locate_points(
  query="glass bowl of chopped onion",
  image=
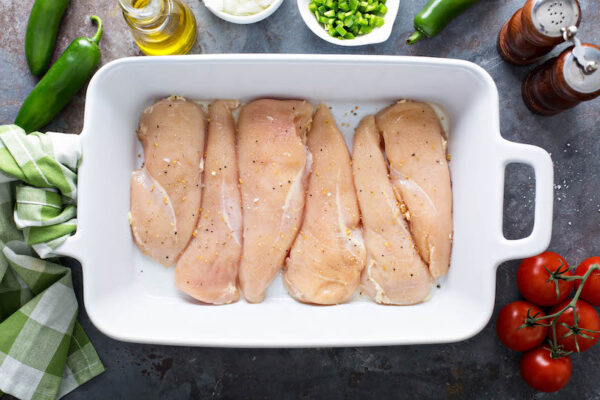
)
(242, 11)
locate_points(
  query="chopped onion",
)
(238, 7)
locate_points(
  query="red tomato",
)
(591, 289)
(532, 279)
(588, 319)
(511, 317)
(544, 373)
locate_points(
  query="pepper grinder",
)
(564, 81)
(534, 30)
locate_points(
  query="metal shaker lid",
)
(548, 16)
(575, 73)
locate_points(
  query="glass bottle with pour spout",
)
(160, 27)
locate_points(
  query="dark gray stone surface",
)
(479, 368)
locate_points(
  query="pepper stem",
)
(414, 38)
(98, 34)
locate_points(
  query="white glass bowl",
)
(248, 19)
(378, 35)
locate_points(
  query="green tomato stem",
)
(572, 304)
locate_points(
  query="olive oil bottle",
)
(160, 27)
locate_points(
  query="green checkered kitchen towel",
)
(44, 352)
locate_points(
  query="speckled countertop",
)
(480, 368)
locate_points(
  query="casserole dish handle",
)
(72, 247)
(539, 239)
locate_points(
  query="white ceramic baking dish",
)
(129, 297)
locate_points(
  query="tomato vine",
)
(557, 350)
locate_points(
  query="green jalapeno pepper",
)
(435, 16)
(40, 37)
(64, 78)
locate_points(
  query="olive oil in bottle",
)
(160, 27)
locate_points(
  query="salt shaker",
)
(534, 30)
(564, 81)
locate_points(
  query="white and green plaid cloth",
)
(44, 352)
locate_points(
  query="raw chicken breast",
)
(208, 268)
(165, 193)
(328, 255)
(415, 146)
(274, 165)
(395, 273)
